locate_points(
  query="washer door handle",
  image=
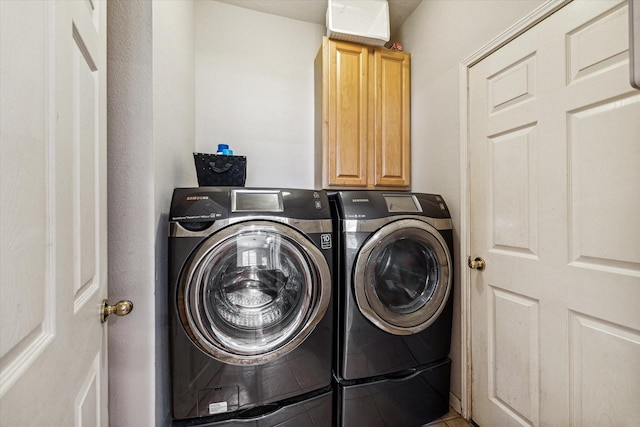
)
(476, 264)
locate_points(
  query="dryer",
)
(394, 311)
(250, 306)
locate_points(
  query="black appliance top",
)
(370, 204)
(214, 203)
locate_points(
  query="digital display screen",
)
(256, 201)
(402, 203)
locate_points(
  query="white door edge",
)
(505, 37)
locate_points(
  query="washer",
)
(250, 310)
(394, 315)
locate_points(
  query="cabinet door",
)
(391, 139)
(346, 144)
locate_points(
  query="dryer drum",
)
(252, 293)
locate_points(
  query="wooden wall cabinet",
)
(362, 117)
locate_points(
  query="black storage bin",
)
(220, 170)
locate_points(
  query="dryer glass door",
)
(402, 277)
(253, 292)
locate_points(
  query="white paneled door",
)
(554, 169)
(53, 213)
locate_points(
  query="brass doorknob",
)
(121, 308)
(476, 264)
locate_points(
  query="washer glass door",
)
(253, 291)
(402, 277)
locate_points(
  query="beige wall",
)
(186, 76)
(254, 80)
(174, 143)
(130, 187)
(255, 92)
(151, 126)
(439, 34)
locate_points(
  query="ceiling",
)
(314, 11)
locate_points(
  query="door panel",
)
(513, 191)
(588, 127)
(53, 204)
(554, 150)
(86, 143)
(513, 353)
(392, 110)
(348, 111)
(26, 160)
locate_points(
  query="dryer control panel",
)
(366, 204)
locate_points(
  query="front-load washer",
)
(394, 313)
(250, 306)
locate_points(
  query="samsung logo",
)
(360, 200)
(197, 197)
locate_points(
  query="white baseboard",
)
(454, 402)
